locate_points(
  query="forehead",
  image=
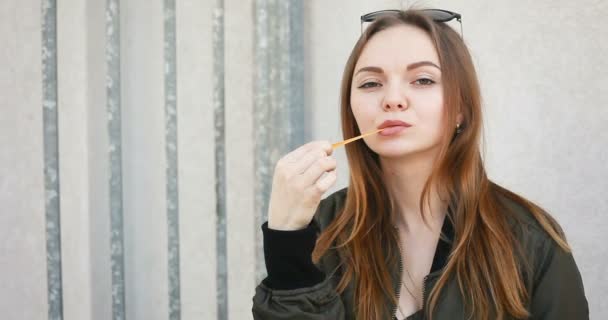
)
(397, 47)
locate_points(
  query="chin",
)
(395, 154)
(393, 150)
(398, 149)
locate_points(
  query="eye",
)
(370, 84)
(424, 82)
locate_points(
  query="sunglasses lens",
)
(375, 15)
(439, 15)
(435, 14)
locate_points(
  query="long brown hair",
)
(484, 255)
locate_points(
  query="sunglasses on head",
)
(438, 15)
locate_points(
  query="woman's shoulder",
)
(522, 220)
(552, 275)
(534, 239)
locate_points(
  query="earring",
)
(458, 128)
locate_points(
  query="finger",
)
(326, 181)
(302, 150)
(326, 146)
(307, 160)
(298, 153)
(316, 170)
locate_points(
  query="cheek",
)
(366, 100)
(432, 118)
(430, 112)
(362, 107)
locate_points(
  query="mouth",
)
(390, 131)
(392, 127)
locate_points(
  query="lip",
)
(393, 123)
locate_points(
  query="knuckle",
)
(327, 163)
(318, 188)
(332, 161)
(324, 144)
(318, 150)
(320, 165)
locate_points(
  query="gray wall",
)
(139, 139)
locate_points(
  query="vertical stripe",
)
(298, 124)
(115, 153)
(290, 67)
(275, 113)
(171, 170)
(196, 159)
(220, 159)
(262, 166)
(51, 159)
(280, 120)
(282, 85)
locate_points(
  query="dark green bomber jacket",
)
(298, 289)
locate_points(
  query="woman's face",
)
(398, 77)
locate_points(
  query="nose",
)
(395, 99)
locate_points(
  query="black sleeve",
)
(288, 258)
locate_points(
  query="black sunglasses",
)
(438, 15)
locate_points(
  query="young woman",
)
(420, 232)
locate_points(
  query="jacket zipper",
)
(424, 289)
(400, 284)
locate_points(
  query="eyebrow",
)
(409, 67)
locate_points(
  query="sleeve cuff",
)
(288, 258)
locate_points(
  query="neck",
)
(404, 179)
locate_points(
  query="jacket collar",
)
(444, 247)
(442, 251)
